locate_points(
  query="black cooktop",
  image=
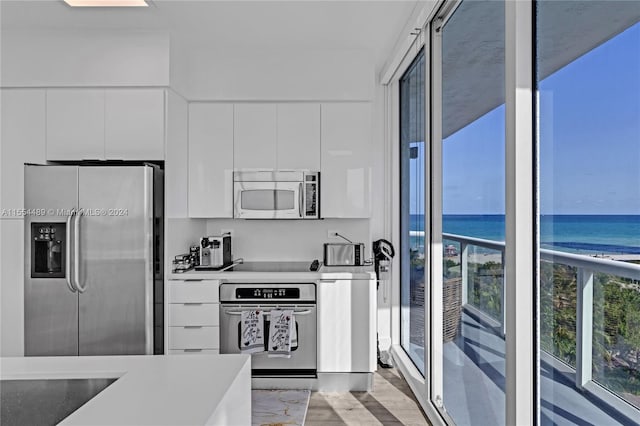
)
(272, 267)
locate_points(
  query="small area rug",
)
(279, 407)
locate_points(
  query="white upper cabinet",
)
(254, 141)
(111, 124)
(346, 169)
(75, 124)
(134, 124)
(211, 159)
(298, 136)
(23, 141)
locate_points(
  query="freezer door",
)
(115, 262)
(50, 307)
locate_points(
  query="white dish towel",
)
(282, 333)
(252, 328)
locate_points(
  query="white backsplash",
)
(288, 240)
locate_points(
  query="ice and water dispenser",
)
(48, 247)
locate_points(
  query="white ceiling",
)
(370, 25)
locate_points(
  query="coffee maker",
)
(215, 252)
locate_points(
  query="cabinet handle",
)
(192, 326)
(193, 350)
(192, 304)
(192, 280)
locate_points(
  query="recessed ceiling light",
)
(107, 3)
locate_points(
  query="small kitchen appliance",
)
(344, 254)
(215, 252)
(291, 194)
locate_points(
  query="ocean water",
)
(572, 233)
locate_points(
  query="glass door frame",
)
(521, 228)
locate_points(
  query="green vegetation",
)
(616, 326)
(485, 287)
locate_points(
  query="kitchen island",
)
(150, 390)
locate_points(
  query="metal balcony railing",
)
(586, 268)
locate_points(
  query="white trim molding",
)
(520, 255)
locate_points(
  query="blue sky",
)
(589, 143)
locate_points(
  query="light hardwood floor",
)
(390, 403)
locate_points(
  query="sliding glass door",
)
(589, 144)
(469, 72)
(412, 211)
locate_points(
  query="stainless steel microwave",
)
(276, 195)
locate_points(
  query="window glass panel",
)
(473, 123)
(412, 218)
(267, 199)
(588, 76)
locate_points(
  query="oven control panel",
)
(267, 293)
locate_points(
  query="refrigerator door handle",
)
(68, 253)
(76, 254)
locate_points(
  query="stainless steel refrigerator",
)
(93, 260)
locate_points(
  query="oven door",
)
(303, 357)
(267, 200)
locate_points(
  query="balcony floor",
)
(474, 385)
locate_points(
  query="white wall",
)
(288, 240)
(201, 74)
(381, 209)
(87, 58)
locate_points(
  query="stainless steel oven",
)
(299, 297)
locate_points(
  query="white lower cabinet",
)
(185, 314)
(193, 317)
(346, 326)
(194, 337)
(193, 351)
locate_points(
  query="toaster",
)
(344, 254)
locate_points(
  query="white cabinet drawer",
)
(194, 352)
(194, 337)
(193, 291)
(194, 314)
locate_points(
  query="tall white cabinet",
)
(211, 160)
(346, 326)
(345, 159)
(22, 140)
(176, 165)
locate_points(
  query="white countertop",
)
(324, 273)
(150, 390)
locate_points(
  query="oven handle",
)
(307, 312)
